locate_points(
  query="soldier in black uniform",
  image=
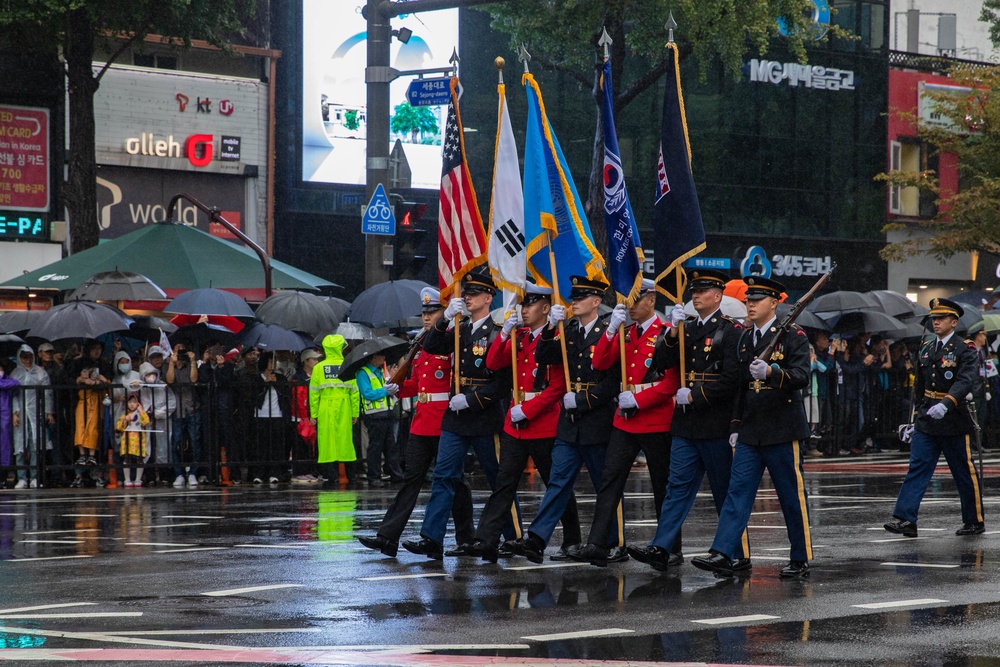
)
(700, 425)
(769, 421)
(474, 417)
(585, 420)
(947, 372)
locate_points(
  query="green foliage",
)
(351, 121)
(969, 130)
(413, 120)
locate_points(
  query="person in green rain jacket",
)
(334, 406)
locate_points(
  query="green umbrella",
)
(173, 256)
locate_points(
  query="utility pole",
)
(377, 77)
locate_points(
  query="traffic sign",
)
(378, 217)
(429, 92)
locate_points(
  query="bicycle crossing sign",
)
(378, 217)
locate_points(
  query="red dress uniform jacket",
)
(656, 405)
(542, 410)
(430, 384)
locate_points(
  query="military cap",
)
(430, 300)
(533, 293)
(648, 287)
(945, 308)
(707, 278)
(759, 287)
(583, 287)
(478, 282)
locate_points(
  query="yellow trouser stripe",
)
(620, 512)
(801, 488)
(975, 480)
(745, 541)
(515, 519)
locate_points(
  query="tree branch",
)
(115, 55)
(569, 71)
(645, 81)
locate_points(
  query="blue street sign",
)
(429, 92)
(378, 217)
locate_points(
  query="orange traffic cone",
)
(112, 471)
(342, 477)
(224, 468)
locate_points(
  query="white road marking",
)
(937, 565)
(98, 614)
(19, 560)
(923, 530)
(992, 532)
(11, 513)
(47, 606)
(768, 527)
(181, 516)
(782, 558)
(56, 532)
(96, 636)
(405, 576)
(289, 518)
(51, 541)
(254, 631)
(736, 619)
(837, 507)
(271, 546)
(899, 603)
(252, 589)
(97, 516)
(173, 525)
(543, 567)
(179, 551)
(608, 632)
(156, 544)
(896, 539)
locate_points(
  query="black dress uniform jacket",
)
(712, 372)
(771, 412)
(946, 376)
(590, 423)
(488, 393)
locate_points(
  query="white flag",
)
(165, 344)
(506, 235)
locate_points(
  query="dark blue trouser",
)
(452, 449)
(784, 462)
(925, 450)
(690, 461)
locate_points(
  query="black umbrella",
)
(843, 302)
(9, 344)
(913, 327)
(895, 304)
(19, 321)
(209, 301)
(201, 335)
(273, 337)
(977, 298)
(118, 286)
(79, 319)
(351, 331)
(338, 307)
(297, 311)
(863, 321)
(148, 327)
(388, 304)
(356, 358)
(805, 318)
(968, 319)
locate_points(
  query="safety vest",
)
(374, 407)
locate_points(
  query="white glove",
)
(458, 402)
(937, 411)
(509, 324)
(618, 317)
(683, 396)
(391, 389)
(556, 315)
(517, 414)
(733, 437)
(906, 432)
(455, 308)
(758, 369)
(626, 401)
(677, 315)
(989, 396)
(569, 401)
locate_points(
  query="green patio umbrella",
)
(174, 257)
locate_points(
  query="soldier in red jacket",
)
(430, 384)
(531, 422)
(642, 422)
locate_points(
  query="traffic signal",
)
(411, 232)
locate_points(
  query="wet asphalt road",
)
(149, 575)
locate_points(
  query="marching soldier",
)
(530, 426)
(769, 423)
(474, 416)
(584, 421)
(642, 422)
(430, 384)
(704, 405)
(947, 372)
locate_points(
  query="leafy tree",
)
(415, 120)
(351, 121)
(562, 35)
(79, 28)
(968, 128)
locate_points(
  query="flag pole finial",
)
(524, 56)
(670, 26)
(606, 42)
(454, 60)
(499, 63)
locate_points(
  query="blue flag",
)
(624, 248)
(677, 227)
(553, 214)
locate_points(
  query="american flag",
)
(461, 236)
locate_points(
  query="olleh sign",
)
(198, 148)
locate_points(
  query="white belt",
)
(637, 388)
(431, 398)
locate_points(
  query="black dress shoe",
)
(592, 554)
(533, 548)
(424, 547)
(461, 550)
(742, 565)
(901, 527)
(509, 548)
(483, 550)
(796, 569)
(972, 529)
(656, 557)
(617, 555)
(562, 554)
(715, 562)
(379, 543)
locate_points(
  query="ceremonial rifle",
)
(794, 313)
(403, 368)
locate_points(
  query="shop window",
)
(157, 61)
(910, 156)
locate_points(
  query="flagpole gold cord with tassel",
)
(556, 298)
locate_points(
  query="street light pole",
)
(377, 77)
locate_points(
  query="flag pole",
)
(558, 299)
(458, 345)
(681, 277)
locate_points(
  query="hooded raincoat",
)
(334, 404)
(123, 384)
(28, 404)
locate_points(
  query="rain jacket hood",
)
(333, 345)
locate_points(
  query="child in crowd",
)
(132, 425)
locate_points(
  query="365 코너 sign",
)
(24, 158)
